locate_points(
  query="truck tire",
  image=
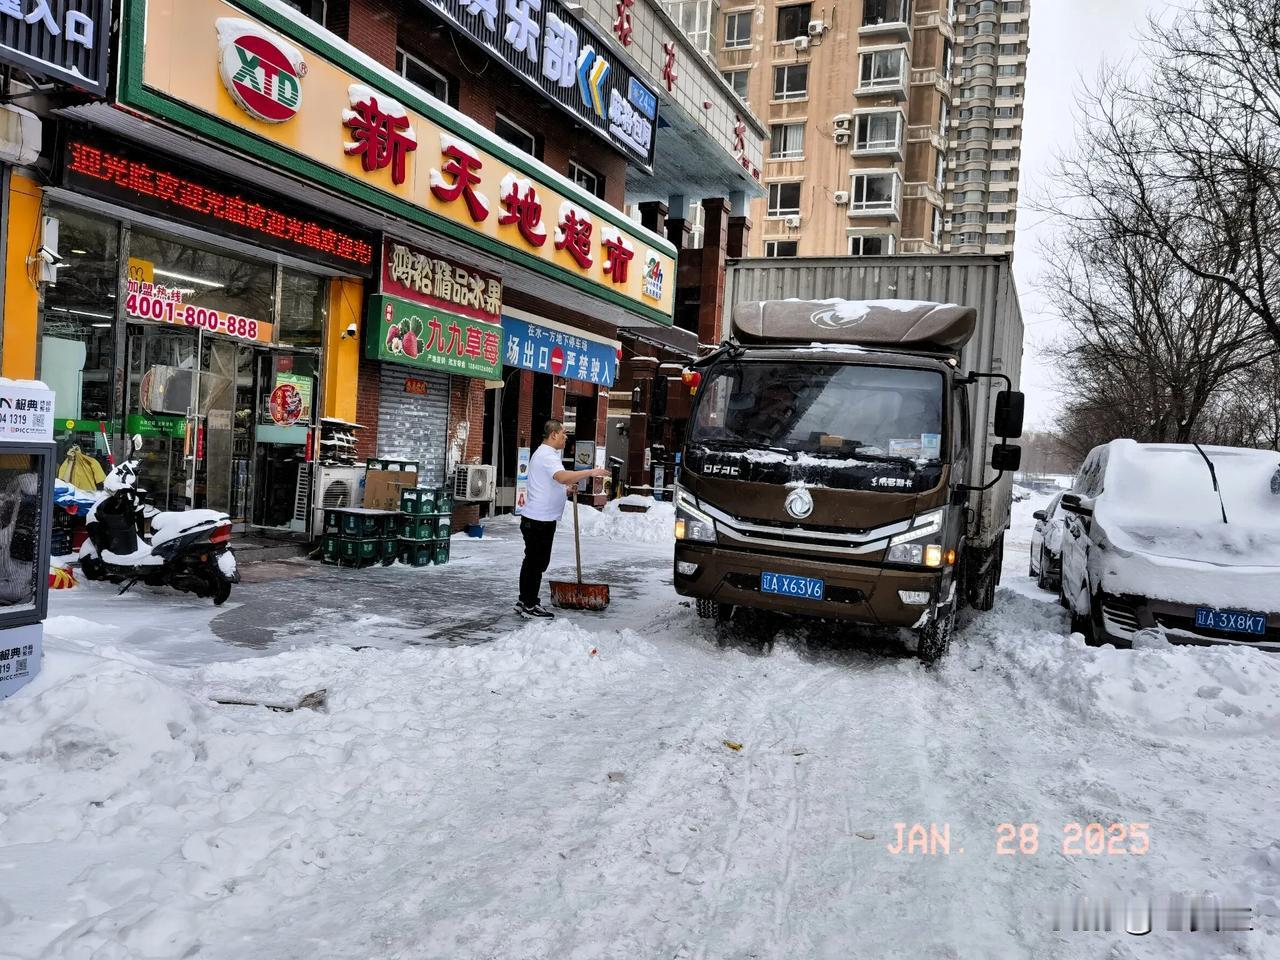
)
(934, 640)
(985, 594)
(711, 610)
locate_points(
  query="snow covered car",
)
(1176, 537)
(1046, 545)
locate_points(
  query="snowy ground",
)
(483, 788)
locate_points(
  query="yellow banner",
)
(218, 59)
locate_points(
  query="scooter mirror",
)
(135, 443)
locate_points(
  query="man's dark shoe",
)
(537, 612)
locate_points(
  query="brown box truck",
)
(847, 455)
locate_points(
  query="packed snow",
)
(618, 785)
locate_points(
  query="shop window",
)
(77, 342)
(302, 308)
(204, 278)
(517, 136)
(435, 82)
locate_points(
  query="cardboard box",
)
(382, 487)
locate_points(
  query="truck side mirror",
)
(1006, 457)
(1008, 420)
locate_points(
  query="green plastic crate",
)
(440, 553)
(413, 527)
(330, 551)
(416, 553)
(360, 553)
(444, 525)
(444, 500)
(418, 501)
(333, 520)
(356, 523)
(390, 550)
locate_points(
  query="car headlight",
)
(691, 523)
(913, 546)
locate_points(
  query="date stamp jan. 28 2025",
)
(1025, 840)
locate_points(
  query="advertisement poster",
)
(584, 458)
(291, 399)
(522, 478)
(20, 653)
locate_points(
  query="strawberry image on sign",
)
(262, 72)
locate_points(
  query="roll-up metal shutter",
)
(413, 419)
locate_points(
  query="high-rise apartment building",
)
(986, 127)
(857, 101)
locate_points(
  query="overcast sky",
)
(1069, 39)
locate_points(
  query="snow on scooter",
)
(189, 549)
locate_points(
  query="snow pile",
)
(656, 525)
(1156, 688)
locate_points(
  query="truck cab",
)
(826, 468)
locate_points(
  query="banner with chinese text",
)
(557, 352)
(257, 81)
(417, 335)
(440, 282)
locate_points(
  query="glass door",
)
(163, 370)
(286, 393)
(216, 423)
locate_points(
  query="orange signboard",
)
(307, 93)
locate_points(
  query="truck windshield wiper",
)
(1213, 475)
(734, 444)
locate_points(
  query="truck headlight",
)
(913, 547)
(692, 524)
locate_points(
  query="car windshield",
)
(823, 409)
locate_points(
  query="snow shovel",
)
(579, 596)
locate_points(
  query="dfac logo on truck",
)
(262, 73)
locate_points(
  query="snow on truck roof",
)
(883, 323)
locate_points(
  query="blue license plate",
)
(1231, 621)
(810, 588)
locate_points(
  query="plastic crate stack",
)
(359, 537)
(426, 523)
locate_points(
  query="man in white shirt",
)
(545, 496)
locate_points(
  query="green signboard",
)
(416, 335)
(156, 425)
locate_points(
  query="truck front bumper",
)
(857, 593)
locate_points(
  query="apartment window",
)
(738, 80)
(878, 131)
(871, 245)
(1000, 217)
(586, 178)
(1006, 112)
(427, 77)
(737, 29)
(1008, 70)
(517, 135)
(970, 196)
(948, 59)
(1010, 49)
(875, 12)
(314, 9)
(997, 238)
(982, 50)
(936, 234)
(974, 113)
(975, 153)
(971, 176)
(944, 117)
(960, 219)
(695, 18)
(786, 141)
(793, 21)
(1009, 29)
(882, 68)
(791, 82)
(961, 239)
(1007, 91)
(1002, 154)
(874, 192)
(981, 90)
(784, 199)
(940, 171)
(1012, 6)
(1001, 196)
(998, 176)
(781, 248)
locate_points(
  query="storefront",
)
(191, 313)
(556, 370)
(433, 327)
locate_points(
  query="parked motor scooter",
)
(188, 550)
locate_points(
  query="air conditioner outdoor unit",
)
(841, 197)
(792, 222)
(801, 43)
(817, 28)
(473, 482)
(337, 486)
(842, 121)
(841, 137)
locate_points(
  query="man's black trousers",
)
(538, 536)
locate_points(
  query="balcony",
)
(936, 21)
(895, 87)
(876, 194)
(885, 18)
(923, 191)
(927, 133)
(931, 76)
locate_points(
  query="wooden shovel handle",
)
(577, 545)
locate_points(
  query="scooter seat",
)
(142, 557)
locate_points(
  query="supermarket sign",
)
(418, 335)
(380, 141)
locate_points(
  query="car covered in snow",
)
(1046, 544)
(1178, 538)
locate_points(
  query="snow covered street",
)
(613, 785)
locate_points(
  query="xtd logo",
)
(262, 73)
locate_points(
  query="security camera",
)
(349, 332)
(49, 256)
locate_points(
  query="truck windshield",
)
(822, 409)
